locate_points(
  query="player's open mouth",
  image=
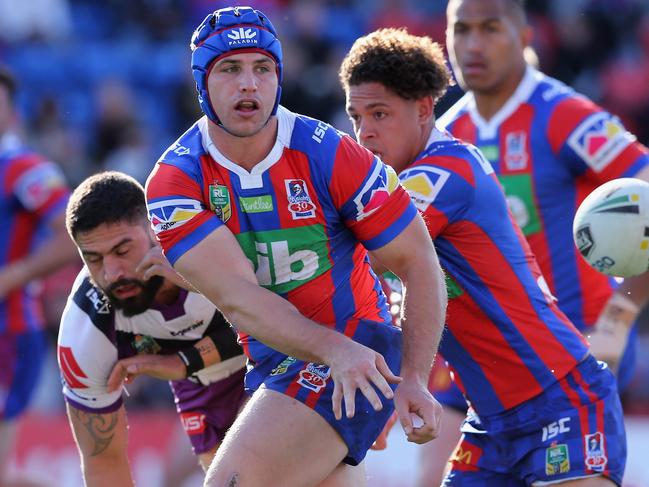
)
(126, 291)
(247, 106)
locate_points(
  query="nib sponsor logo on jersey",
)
(423, 184)
(599, 140)
(70, 369)
(314, 376)
(243, 36)
(172, 213)
(596, 459)
(299, 201)
(286, 259)
(376, 191)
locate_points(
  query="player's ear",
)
(425, 107)
(526, 35)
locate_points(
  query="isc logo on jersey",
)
(377, 189)
(167, 214)
(423, 184)
(599, 139)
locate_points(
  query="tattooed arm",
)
(102, 440)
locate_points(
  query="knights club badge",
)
(299, 201)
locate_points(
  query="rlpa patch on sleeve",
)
(423, 184)
(599, 139)
(172, 213)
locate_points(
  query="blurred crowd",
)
(106, 84)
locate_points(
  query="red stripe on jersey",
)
(350, 328)
(622, 162)
(214, 174)
(368, 228)
(294, 388)
(351, 166)
(565, 117)
(317, 292)
(313, 397)
(599, 408)
(243, 341)
(513, 297)
(435, 221)
(592, 397)
(294, 162)
(21, 231)
(18, 166)
(464, 129)
(457, 165)
(462, 316)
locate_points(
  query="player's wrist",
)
(620, 312)
(192, 360)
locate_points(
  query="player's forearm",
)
(262, 314)
(108, 472)
(636, 289)
(423, 321)
(52, 255)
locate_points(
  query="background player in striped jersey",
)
(304, 202)
(129, 306)
(34, 243)
(550, 148)
(543, 410)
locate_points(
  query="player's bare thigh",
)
(277, 442)
(434, 455)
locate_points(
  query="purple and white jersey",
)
(93, 336)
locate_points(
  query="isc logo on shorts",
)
(193, 423)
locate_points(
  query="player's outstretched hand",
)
(418, 411)
(154, 263)
(166, 367)
(354, 366)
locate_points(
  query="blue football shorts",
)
(311, 384)
(574, 429)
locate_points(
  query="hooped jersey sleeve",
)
(85, 353)
(37, 184)
(593, 141)
(176, 209)
(442, 189)
(367, 192)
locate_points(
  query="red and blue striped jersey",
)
(506, 340)
(33, 192)
(550, 148)
(304, 216)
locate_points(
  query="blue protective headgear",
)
(223, 31)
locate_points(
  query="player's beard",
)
(135, 304)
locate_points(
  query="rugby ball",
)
(611, 227)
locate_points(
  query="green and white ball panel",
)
(611, 227)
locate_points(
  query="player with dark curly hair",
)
(536, 395)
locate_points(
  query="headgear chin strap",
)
(224, 31)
